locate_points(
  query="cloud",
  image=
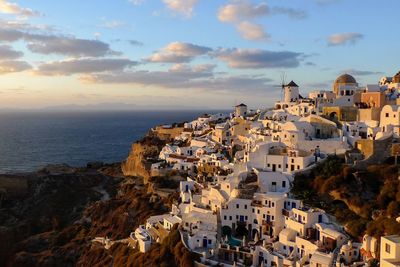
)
(7, 7)
(344, 38)
(200, 68)
(290, 12)
(53, 44)
(135, 43)
(361, 72)
(182, 7)
(252, 31)
(183, 79)
(83, 66)
(178, 52)
(7, 53)
(242, 10)
(309, 63)
(13, 66)
(241, 13)
(10, 35)
(70, 46)
(258, 59)
(164, 79)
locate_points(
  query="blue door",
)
(205, 242)
(241, 218)
(293, 205)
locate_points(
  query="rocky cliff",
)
(139, 160)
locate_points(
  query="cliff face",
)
(137, 163)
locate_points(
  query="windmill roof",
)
(292, 84)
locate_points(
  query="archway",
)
(226, 231)
(241, 231)
(333, 116)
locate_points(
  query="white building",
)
(390, 251)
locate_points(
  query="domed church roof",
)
(345, 78)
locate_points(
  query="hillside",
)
(53, 221)
(366, 201)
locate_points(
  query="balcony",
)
(268, 223)
(257, 203)
(285, 213)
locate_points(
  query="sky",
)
(187, 54)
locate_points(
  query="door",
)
(273, 187)
(204, 242)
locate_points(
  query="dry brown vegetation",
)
(364, 201)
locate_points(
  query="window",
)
(245, 207)
(258, 211)
(209, 241)
(298, 167)
(273, 204)
(237, 206)
(292, 160)
(230, 218)
(283, 184)
(387, 248)
(387, 115)
(224, 217)
(272, 218)
(246, 218)
(279, 166)
(237, 217)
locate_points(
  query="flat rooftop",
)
(393, 238)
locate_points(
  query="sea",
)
(31, 140)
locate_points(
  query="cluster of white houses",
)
(235, 208)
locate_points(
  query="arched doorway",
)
(241, 231)
(226, 231)
(333, 116)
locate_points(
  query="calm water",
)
(31, 140)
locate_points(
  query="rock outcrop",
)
(140, 157)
